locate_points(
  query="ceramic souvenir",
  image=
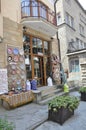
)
(15, 51)
(22, 66)
(21, 52)
(13, 72)
(9, 50)
(13, 66)
(21, 58)
(15, 58)
(18, 71)
(9, 58)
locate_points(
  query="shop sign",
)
(3, 81)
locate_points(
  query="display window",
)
(37, 53)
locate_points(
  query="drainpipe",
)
(58, 40)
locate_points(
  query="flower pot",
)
(83, 96)
(60, 116)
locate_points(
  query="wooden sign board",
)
(3, 81)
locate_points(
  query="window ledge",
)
(82, 35)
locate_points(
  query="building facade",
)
(28, 49)
(71, 21)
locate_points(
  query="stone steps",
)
(51, 93)
(49, 96)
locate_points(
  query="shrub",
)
(64, 101)
(5, 125)
(82, 89)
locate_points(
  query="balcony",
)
(73, 48)
(38, 17)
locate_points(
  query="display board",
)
(3, 81)
(16, 67)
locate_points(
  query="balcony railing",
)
(37, 9)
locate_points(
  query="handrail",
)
(37, 9)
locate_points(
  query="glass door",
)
(38, 70)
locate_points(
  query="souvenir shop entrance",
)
(37, 59)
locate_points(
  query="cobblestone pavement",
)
(30, 116)
(26, 117)
(76, 122)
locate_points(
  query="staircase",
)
(48, 93)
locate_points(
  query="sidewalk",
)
(29, 116)
(26, 117)
(76, 122)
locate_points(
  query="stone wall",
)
(12, 36)
(10, 54)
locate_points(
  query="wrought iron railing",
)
(37, 9)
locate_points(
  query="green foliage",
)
(5, 125)
(64, 101)
(82, 89)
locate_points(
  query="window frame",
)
(81, 30)
(69, 20)
(73, 65)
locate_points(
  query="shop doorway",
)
(37, 59)
(38, 66)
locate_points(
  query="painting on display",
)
(3, 81)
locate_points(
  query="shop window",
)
(74, 65)
(26, 45)
(46, 48)
(28, 67)
(37, 46)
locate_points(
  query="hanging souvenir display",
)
(16, 67)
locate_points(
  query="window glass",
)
(28, 67)
(74, 65)
(25, 8)
(26, 45)
(46, 48)
(43, 11)
(69, 20)
(34, 8)
(59, 19)
(39, 46)
(81, 28)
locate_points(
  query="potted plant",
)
(61, 108)
(82, 90)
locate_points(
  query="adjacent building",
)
(71, 21)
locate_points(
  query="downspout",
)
(58, 41)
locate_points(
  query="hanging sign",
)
(3, 81)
